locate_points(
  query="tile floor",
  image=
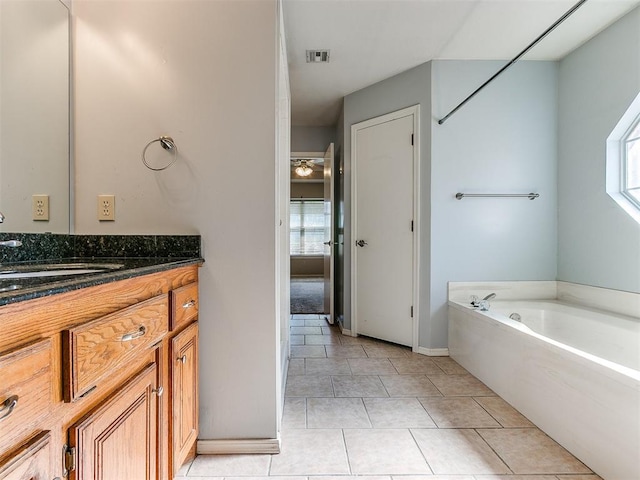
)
(360, 407)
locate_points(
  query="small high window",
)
(631, 164)
(623, 161)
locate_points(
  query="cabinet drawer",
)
(31, 461)
(96, 349)
(184, 301)
(25, 391)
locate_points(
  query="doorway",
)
(385, 193)
(311, 233)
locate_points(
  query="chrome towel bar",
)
(530, 196)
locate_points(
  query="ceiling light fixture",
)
(303, 168)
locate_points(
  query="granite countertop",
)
(121, 256)
(20, 289)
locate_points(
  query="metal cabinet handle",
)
(158, 391)
(189, 304)
(7, 407)
(127, 337)
(182, 359)
(361, 243)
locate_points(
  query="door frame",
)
(405, 112)
(328, 185)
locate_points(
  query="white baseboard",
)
(433, 352)
(237, 447)
(345, 331)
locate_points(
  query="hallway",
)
(360, 407)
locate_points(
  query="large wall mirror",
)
(34, 114)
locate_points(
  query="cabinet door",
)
(118, 439)
(184, 393)
(32, 461)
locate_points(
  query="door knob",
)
(361, 243)
(328, 243)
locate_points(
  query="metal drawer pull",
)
(133, 335)
(6, 408)
(189, 304)
(182, 359)
(158, 391)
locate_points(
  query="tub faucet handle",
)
(484, 305)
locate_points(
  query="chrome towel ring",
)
(168, 144)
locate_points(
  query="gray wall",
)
(599, 244)
(404, 90)
(34, 114)
(502, 141)
(311, 139)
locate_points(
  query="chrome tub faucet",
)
(484, 303)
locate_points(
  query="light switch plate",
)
(106, 208)
(40, 208)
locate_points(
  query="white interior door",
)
(328, 234)
(383, 222)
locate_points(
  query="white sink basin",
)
(54, 270)
(48, 273)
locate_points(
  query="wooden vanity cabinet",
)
(101, 383)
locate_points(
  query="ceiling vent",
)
(317, 56)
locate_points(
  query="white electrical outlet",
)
(40, 207)
(106, 207)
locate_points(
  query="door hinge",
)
(412, 139)
(69, 457)
(412, 225)
(411, 311)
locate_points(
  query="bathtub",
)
(572, 370)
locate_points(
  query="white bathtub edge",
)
(553, 391)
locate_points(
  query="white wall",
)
(204, 72)
(404, 90)
(599, 244)
(502, 141)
